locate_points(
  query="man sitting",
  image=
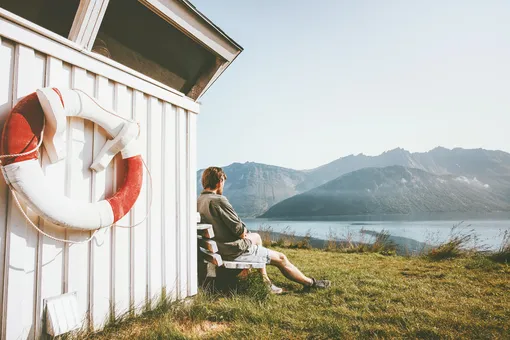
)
(234, 241)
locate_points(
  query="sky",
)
(319, 80)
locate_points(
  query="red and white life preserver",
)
(44, 113)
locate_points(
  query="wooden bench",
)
(208, 254)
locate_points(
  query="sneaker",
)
(275, 290)
(318, 284)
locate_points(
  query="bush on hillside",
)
(503, 253)
(457, 244)
(381, 244)
(303, 242)
(265, 234)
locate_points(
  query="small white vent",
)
(62, 314)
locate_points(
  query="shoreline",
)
(418, 217)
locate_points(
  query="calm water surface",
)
(413, 234)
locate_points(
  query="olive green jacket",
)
(216, 210)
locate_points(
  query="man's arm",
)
(230, 218)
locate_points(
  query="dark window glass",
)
(55, 15)
(133, 35)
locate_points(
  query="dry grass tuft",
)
(457, 244)
(503, 253)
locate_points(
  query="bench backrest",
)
(209, 249)
(208, 246)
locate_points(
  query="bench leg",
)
(211, 270)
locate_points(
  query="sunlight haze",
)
(321, 80)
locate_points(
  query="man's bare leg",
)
(257, 240)
(289, 270)
(281, 261)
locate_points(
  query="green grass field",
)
(373, 296)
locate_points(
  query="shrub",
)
(331, 243)
(503, 253)
(286, 238)
(450, 249)
(455, 246)
(303, 243)
(382, 244)
(265, 233)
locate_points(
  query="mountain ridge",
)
(253, 187)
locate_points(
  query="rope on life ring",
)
(47, 110)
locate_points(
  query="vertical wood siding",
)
(121, 269)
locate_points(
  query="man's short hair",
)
(212, 176)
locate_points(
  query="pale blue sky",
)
(323, 79)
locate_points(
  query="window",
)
(54, 15)
(135, 36)
(169, 41)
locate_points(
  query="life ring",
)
(42, 114)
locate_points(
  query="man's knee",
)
(279, 259)
(255, 238)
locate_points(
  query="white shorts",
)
(257, 254)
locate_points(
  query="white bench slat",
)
(208, 244)
(242, 265)
(203, 226)
(205, 230)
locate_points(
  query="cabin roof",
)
(170, 42)
(212, 24)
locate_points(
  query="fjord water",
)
(414, 235)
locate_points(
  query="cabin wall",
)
(121, 269)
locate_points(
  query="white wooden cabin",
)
(150, 60)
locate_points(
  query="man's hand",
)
(243, 235)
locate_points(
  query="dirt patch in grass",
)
(202, 329)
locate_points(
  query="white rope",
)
(28, 152)
(45, 234)
(96, 231)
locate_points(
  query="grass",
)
(373, 296)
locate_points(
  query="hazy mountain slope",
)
(392, 190)
(352, 163)
(479, 163)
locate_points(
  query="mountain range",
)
(396, 181)
(392, 190)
